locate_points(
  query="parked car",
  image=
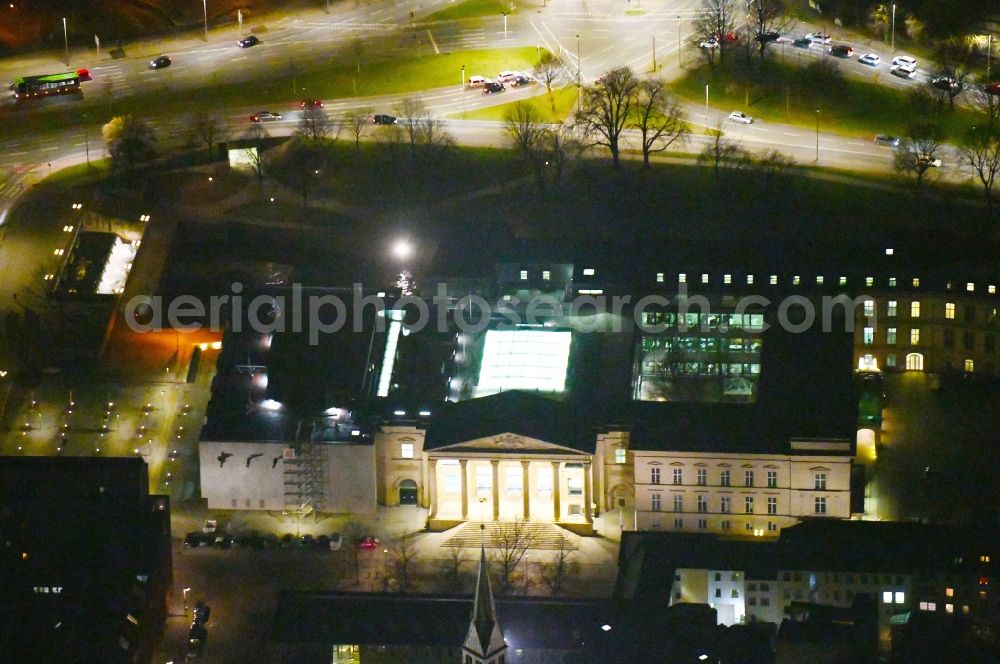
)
(907, 61)
(202, 612)
(160, 62)
(842, 51)
(493, 87)
(709, 43)
(222, 542)
(870, 59)
(508, 76)
(945, 83)
(926, 161)
(768, 37)
(368, 543)
(477, 81)
(265, 116)
(523, 79)
(887, 140)
(247, 42)
(900, 71)
(84, 75)
(741, 117)
(802, 43)
(382, 119)
(311, 103)
(819, 38)
(336, 541)
(196, 539)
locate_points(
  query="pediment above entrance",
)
(513, 443)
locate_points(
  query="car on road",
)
(901, 71)
(508, 76)
(160, 62)
(84, 75)
(842, 51)
(223, 542)
(493, 87)
(477, 81)
(709, 43)
(819, 38)
(523, 79)
(907, 61)
(946, 83)
(368, 543)
(265, 116)
(767, 37)
(247, 42)
(311, 103)
(741, 117)
(382, 119)
(926, 161)
(887, 140)
(870, 59)
(802, 43)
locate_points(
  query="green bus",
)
(25, 87)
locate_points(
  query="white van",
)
(477, 81)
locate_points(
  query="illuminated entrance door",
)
(407, 492)
(914, 362)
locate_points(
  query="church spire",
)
(484, 640)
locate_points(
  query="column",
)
(556, 510)
(496, 488)
(586, 492)
(432, 487)
(525, 489)
(463, 465)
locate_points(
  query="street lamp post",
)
(654, 54)
(817, 134)
(505, 26)
(678, 41)
(579, 79)
(463, 91)
(66, 40)
(892, 46)
(204, 11)
(185, 593)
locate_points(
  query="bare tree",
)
(453, 575)
(316, 126)
(562, 147)
(723, 153)
(422, 128)
(917, 152)
(557, 574)
(302, 165)
(606, 107)
(550, 72)
(410, 111)
(353, 533)
(981, 150)
(208, 129)
(527, 133)
(767, 18)
(718, 24)
(402, 553)
(513, 539)
(659, 119)
(952, 75)
(255, 136)
(358, 121)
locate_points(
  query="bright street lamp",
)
(402, 249)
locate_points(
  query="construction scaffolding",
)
(305, 476)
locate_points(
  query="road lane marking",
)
(433, 43)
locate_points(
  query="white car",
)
(709, 43)
(477, 81)
(819, 38)
(508, 76)
(741, 117)
(905, 61)
(870, 59)
(901, 71)
(928, 162)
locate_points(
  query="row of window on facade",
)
(656, 504)
(700, 344)
(726, 524)
(796, 280)
(916, 310)
(703, 321)
(725, 477)
(968, 338)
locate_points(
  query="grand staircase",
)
(539, 535)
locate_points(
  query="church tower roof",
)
(484, 639)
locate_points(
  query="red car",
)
(311, 103)
(84, 75)
(368, 544)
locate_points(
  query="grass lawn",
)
(470, 9)
(564, 100)
(791, 94)
(81, 174)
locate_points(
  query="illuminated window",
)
(949, 592)
(819, 505)
(892, 282)
(819, 281)
(655, 504)
(887, 597)
(890, 336)
(915, 309)
(678, 503)
(574, 485)
(544, 485)
(514, 482)
(869, 281)
(869, 336)
(819, 481)
(702, 477)
(748, 504)
(842, 281)
(991, 289)
(678, 476)
(965, 609)
(949, 310)
(890, 359)
(524, 274)
(970, 287)
(796, 280)
(773, 280)
(704, 278)
(727, 278)
(969, 365)
(749, 279)
(984, 559)
(406, 450)
(546, 275)
(620, 454)
(654, 475)
(682, 278)
(524, 359)
(869, 307)
(949, 608)
(914, 362)
(484, 480)
(900, 597)
(659, 277)
(890, 310)
(915, 336)
(772, 505)
(916, 282)
(588, 271)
